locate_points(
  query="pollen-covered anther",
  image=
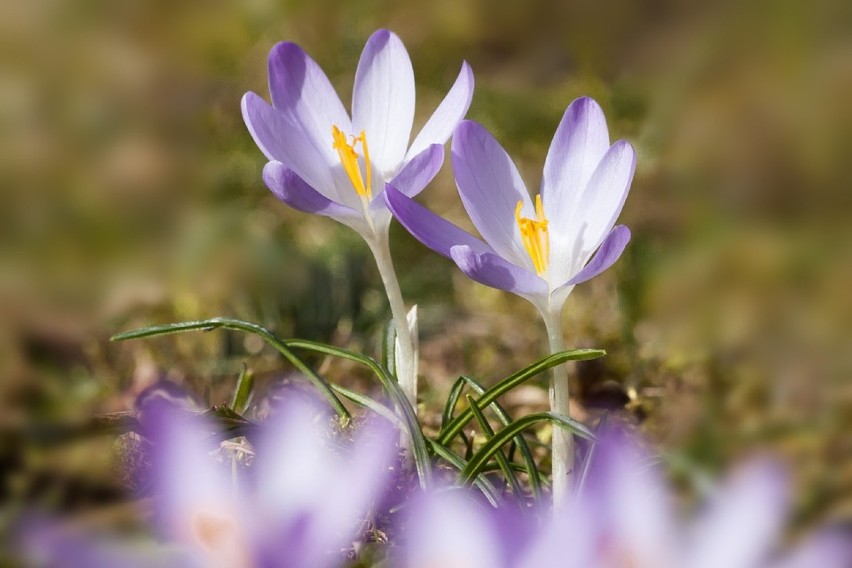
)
(349, 161)
(534, 235)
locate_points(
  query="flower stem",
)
(406, 360)
(562, 455)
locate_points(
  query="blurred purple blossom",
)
(309, 493)
(303, 502)
(625, 517)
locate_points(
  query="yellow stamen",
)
(534, 235)
(349, 160)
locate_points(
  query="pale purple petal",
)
(266, 126)
(451, 529)
(610, 251)
(302, 93)
(383, 100)
(743, 522)
(827, 549)
(494, 271)
(630, 505)
(316, 495)
(572, 528)
(295, 192)
(281, 138)
(580, 142)
(490, 188)
(419, 171)
(432, 230)
(597, 210)
(54, 543)
(449, 113)
(299, 87)
(193, 488)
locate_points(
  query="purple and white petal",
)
(490, 187)
(451, 529)
(383, 100)
(295, 192)
(433, 231)
(298, 86)
(631, 505)
(419, 171)
(610, 250)
(447, 116)
(743, 522)
(826, 549)
(283, 139)
(580, 142)
(598, 208)
(314, 497)
(303, 94)
(494, 271)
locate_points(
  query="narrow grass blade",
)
(452, 429)
(488, 431)
(449, 410)
(243, 391)
(370, 404)
(520, 441)
(452, 401)
(239, 325)
(480, 458)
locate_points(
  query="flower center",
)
(349, 160)
(534, 235)
(220, 538)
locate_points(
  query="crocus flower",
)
(322, 161)
(539, 249)
(306, 503)
(301, 503)
(625, 518)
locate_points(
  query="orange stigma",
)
(349, 160)
(534, 235)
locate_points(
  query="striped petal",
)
(383, 100)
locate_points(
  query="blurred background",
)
(132, 195)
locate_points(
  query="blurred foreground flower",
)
(303, 502)
(624, 518)
(539, 251)
(323, 162)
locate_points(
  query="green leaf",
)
(452, 401)
(370, 403)
(239, 325)
(243, 392)
(455, 426)
(523, 446)
(449, 409)
(488, 432)
(480, 458)
(418, 442)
